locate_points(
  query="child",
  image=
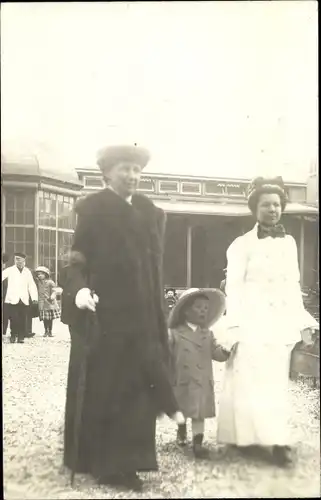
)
(48, 305)
(170, 299)
(193, 347)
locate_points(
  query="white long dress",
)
(265, 315)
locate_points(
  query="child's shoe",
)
(46, 333)
(50, 333)
(181, 438)
(198, 449)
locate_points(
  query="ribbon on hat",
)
(277, 231)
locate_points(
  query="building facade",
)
(313, 185)
(37, 211)
(204, 215)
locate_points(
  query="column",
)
(301, 251)
(189, 256)
(36, 235)
(3, 219)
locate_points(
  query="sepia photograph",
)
(160, 249)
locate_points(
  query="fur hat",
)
(42, 269)
(216, 310)
(109, 157)
(261, 185)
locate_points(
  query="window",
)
(20, 208)
(19, 223)
(93, 182)
(65, 241)
(47, 249)
(168, 187)
(57, 221)
(47, 209)
(297, 194)
(236, 189)
(191, 188)
(66, 215)
(146, 185)
(21, 239)
(215, 188)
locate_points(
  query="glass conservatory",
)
(37, 215)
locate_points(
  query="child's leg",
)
(198, 427)
(46, 324)
(50, 327)
(181, 438)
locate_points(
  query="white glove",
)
(229, 338)
(84, 300)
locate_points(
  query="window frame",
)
(163, 191)
(194, 183)
(88, 186)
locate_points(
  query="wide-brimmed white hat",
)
(42, 269)
(216, 309)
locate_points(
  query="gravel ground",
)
(34, 381)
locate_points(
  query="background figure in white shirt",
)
(21, 286)
(5, 316)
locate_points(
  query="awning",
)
(235, 210)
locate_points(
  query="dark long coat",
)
(117, 252)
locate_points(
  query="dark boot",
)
(282, 456)
(130, 481)
(46, 333)
(13, 339)
(50, 333)
(181, 438)
(198, 449)
(21, 340)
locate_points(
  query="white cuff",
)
(308, 321)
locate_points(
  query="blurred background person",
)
(21, 287)
(5, 312)
(170, 299)
(47, 299)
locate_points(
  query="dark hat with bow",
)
(274, 184)
(112, 155)
(261, 185)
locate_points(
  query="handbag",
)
(34, 310)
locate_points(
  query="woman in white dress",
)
(265, 319)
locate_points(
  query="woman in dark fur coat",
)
(117, 253)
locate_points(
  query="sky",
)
(211, 88)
